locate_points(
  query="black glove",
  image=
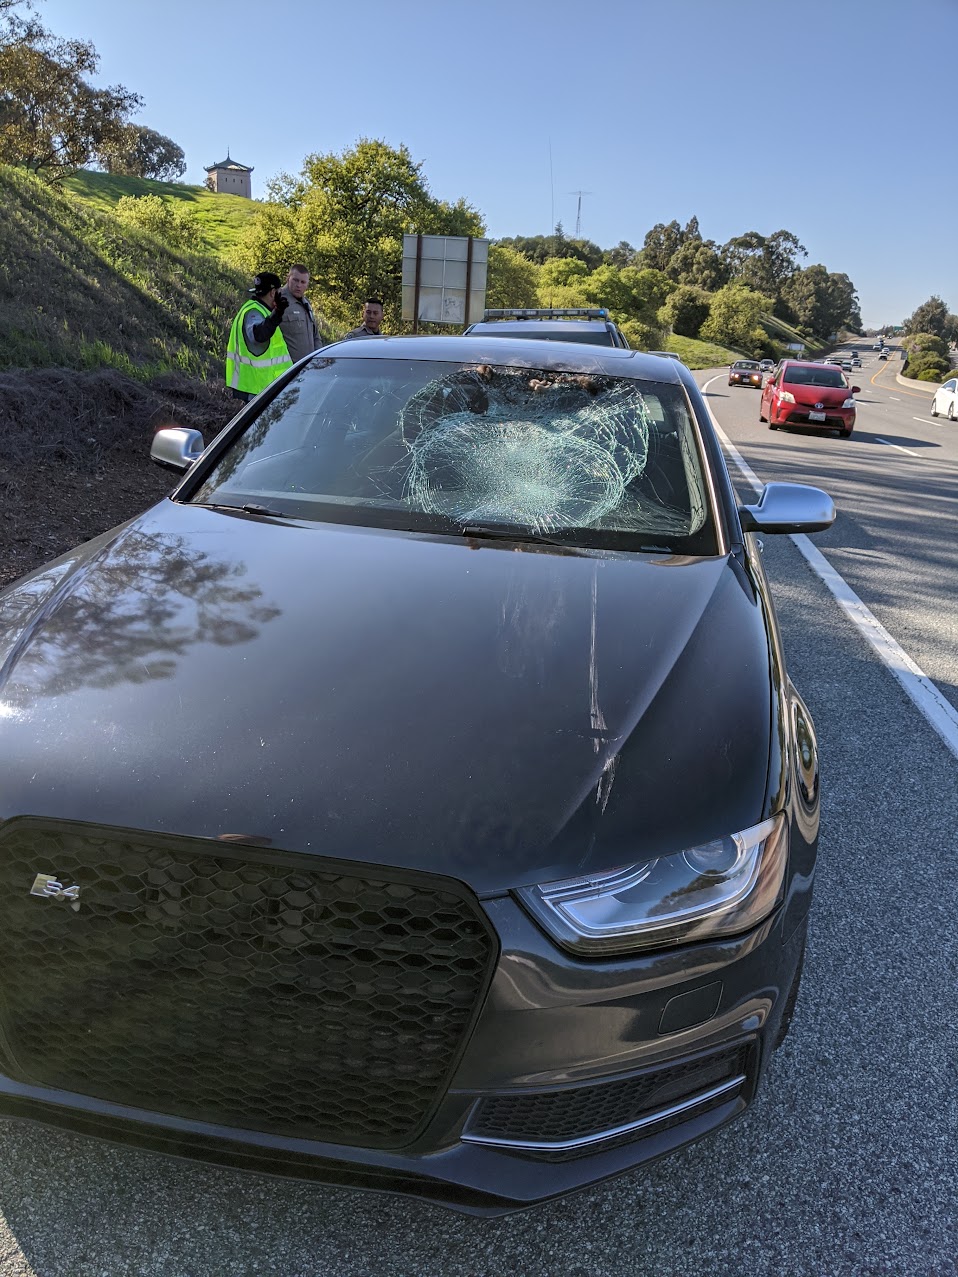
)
(282, 304)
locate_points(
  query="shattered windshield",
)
(586, 458)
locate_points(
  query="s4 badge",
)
(46, 885)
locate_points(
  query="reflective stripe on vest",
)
(246, 371)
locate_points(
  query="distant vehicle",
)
(846, 365)
(879, 344)
(767, 365)
(745, 372)
(856, 359)
(946, 400)
(808, 394)
(883, 354)
(590, 325)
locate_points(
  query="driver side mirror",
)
(856, 390)
(176, 448)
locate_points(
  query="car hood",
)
(461, 707)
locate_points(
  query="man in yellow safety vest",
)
(257, 353)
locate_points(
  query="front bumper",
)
(751, 379)
(605, 1065)
(798, 415)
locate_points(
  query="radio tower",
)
(578, 212)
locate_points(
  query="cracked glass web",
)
(545, 453)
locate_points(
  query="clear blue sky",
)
(834, 119)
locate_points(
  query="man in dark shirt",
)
(372, 319)
(299, 325)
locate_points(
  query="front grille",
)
(265, 991)
(575, 1113)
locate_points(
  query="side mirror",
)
(856, 390)
(176, 448)
(788, 507)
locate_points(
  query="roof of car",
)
(523, 325)
(804, 363)
(560, 356)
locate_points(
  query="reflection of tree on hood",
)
(542, 449)
(145, 602)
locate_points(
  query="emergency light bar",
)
(580, 312)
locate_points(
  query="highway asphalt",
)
(847, 1162)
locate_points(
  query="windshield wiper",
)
(250, 508)
(482, 532)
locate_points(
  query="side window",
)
(951, 385)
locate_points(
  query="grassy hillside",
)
(80, 290)
(222, 218)
(700, 354)
(780, 331)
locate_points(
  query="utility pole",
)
(578, 212)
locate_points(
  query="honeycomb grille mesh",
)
(271, 993)
(579, 1112)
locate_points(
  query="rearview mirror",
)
(788, 507)
(176, 448)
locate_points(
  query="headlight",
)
(849, 403)
(786, 397)
(721, 888)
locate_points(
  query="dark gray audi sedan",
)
(416, 799)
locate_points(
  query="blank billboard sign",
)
(439, 272)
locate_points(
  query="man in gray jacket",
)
(299, 325)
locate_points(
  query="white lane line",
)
(879, 439)
(894, 398)
(938, 711)
(926, 421)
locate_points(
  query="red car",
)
(809, 394)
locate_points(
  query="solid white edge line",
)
(889, 444)
(939, 711)
(926, 421)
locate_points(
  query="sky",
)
(834, 119)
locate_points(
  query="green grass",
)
(78, 289)
(222, 218)
(778, 328)
(700, 354)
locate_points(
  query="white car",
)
(946, 400)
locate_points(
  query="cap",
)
(263, 282)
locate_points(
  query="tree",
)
(540, 248)
(563, 281)
(141, 152)
(734, 316)
(686, 310)
(622, 255)
(932, 316)
(821, 302)
(699, 263)
(511, 280)
(763, 263)
(632, 296)
(663, 241)
(52, 120)
(344, 217)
